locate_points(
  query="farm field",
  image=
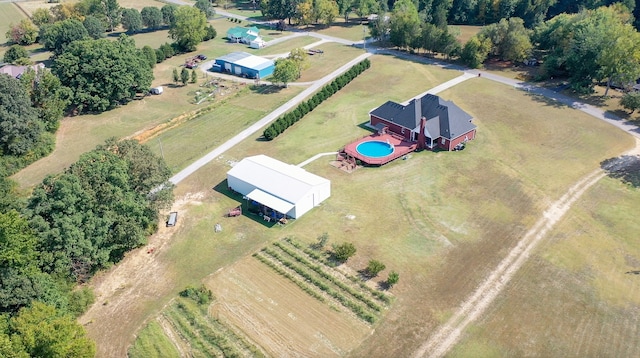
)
(279, 316)
(31, 6)
(579, 281)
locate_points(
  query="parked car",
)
(191, 65)
(201, 57)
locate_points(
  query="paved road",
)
(264, 121)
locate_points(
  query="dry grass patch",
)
(575, 298)
(139, 4)
(30, 7)
(280, 317)
(466, 32)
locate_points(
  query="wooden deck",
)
(400, 146)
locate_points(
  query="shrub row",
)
(329, 277)
(205, 332)
(290, 277)
(318, 257)
(287, 120)
(359, 310)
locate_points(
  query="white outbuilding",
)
(283, 187)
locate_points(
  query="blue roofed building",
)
(244, 65)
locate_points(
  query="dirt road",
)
(472, 308)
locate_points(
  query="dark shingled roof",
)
(444, 118)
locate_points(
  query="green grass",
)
(351, 30)
(203, 335)
(210, 130)
(334, 56)
(152, 342)
(9, 14)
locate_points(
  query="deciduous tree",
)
(168, 14)
(631, 101)
(189, 27)
(475, 51)
(151, 17)
(22, 33)
(206, 8)
(48, 96)
(41, 16)
(57, 36)
(95, 28)
(41, 331)
(131, 20)
(375, 267)
(285, 71)
(344, 251)
(20, 128)
(393, 278)
(103, 73)
(14, 53)
(404, 24)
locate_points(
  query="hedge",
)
(282, 123)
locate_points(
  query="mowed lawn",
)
(9, 14)
(576, 297)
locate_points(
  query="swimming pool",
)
(375, 149)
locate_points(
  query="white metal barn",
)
(283, 187)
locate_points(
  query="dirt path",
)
(124, 291)
(449, 333)
(172, 335)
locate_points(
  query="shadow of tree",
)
(626, 168)
(265, 89)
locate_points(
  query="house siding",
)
(393, 127)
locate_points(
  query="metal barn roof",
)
(285, 181)
(247, 60)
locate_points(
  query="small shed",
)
(282, 187)
(245, 65)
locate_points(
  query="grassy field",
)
(575, 297)
(466, 32)
(487, 197)
(351, 30)
(9, 14)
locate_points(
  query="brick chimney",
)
(422, 139)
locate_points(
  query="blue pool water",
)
(375, 149)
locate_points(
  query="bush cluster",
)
(202, 295)
(287, 120)
(318, 269)
(318, 257)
